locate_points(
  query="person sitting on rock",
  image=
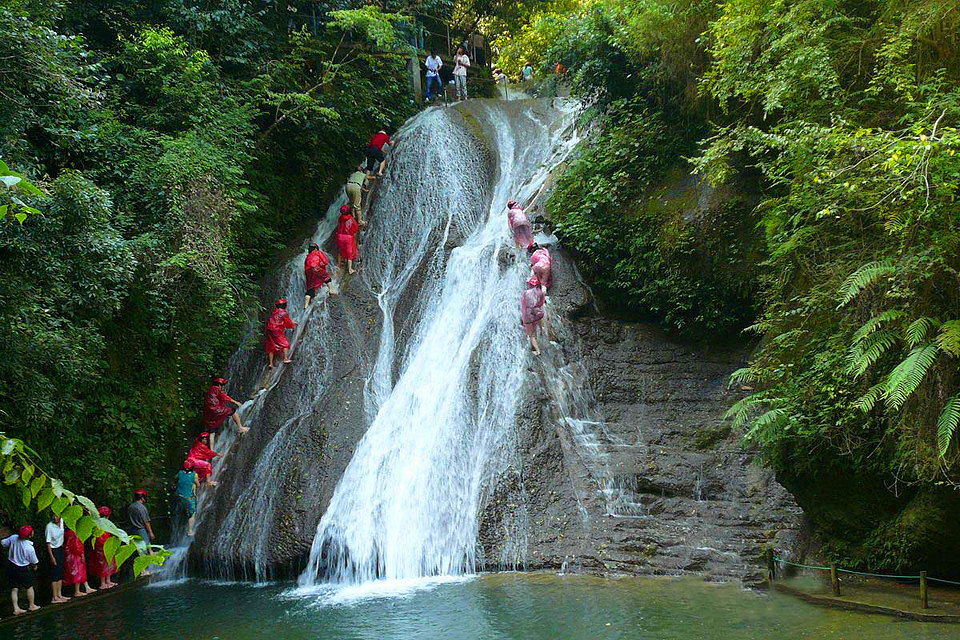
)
(315, 270)
(277, 325)
(216, 407)
(541, 264)
(532, 310)
(347, 230)
(519, 225)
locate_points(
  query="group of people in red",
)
(533, 300)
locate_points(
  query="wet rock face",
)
(683, 496)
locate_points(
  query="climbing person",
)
(276, 330)
(541, 264)
(527, 72)
(54, 537)
(187, 484)
(532, 310)
(216, 407)
(315, 270)
(461, 64)
(99, 565)
(433, 64)
(75, 565)
(356, 186)
(519, 225)
(199, 457)
(375, 154)
(21, 563)
(347, 230)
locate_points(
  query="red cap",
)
(220, 381)
(187, 464)
(141, 492)
(533, 281)
(25, 531)
(345, 209)
(511, 204)
(280, 301)
(105, 511)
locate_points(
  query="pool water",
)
(527, 606)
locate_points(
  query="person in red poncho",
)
(199, 458)
(98, 565)
(347, 230)
(315, 269)
(216, 407)
(277, 325)
(532, 311)
(541, 264)
(75, 566)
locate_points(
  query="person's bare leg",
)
(383, 167)
(286, 356)
(190, 522)
(31, 605)
(536, 347)
(350, 268)
(240, 427)
(306, 303)
(330, 290)
(89, 588)
(339, 263)
(15, 597)
(270, 360)
(212, 438)
(77, 590)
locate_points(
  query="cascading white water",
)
(407, 503)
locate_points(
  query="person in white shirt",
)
(21, 562)
(54, 537)
(433, 65)
(460, 73)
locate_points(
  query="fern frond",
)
(949, 337)
(868, 400)
(863, 278)
(907, 376)
(765, 427)
(742, 375)
(741, 411)
(865, 354)
(917, 330)
(874, 323)
(947, 424)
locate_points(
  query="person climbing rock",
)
(433, 63)
(75, 565)
(54, 537)
(519, 225)
(315, 270)
(532, 310)
(187, 484)
(21, 563)
(461, 64)
(216, 407)
(347, 230)
(541, 264)
(98, 564)
(277, 325)
(199, 457)
(375, 154)
(356, 186)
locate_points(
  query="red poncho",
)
(279, 322)
(520, 226)
(542, 263)
(347, 231)
(378, 140)
(216, 407)
(531, 308)
(98, 564)
(198, 457)
(315, 268)
(74, 569)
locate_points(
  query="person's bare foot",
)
(18, 611)
(269, 366)
(287, 361)
(352, 271)
(243, 429)
(81, 593)
(33, 607)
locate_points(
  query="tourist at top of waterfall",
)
(347, 230)
(276, 330)
(199, 457)
(433, 63)
(532, 311)
(21, 563)
(54, 538)
(315, 270)
(355, 188)
(98, 564)
(375, 154)
(519, 225)
(187, 484)
(461, 64)
(541, 264)
(216, 407)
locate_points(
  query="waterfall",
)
(442, 413)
